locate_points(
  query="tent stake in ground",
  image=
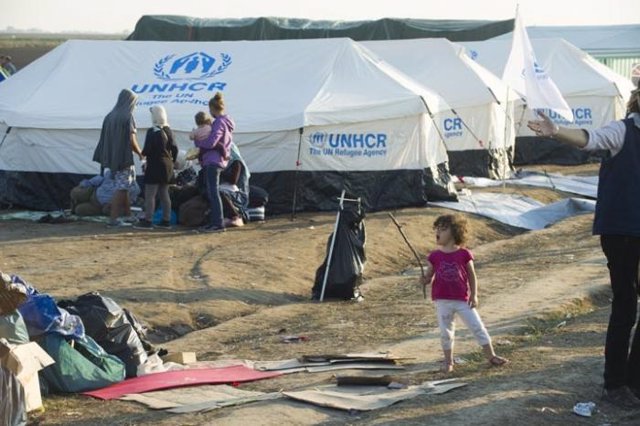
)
(295, 177)
(5, 135)
(424, 288)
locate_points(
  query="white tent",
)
(323, 108)
(480, 136)
(595, 93)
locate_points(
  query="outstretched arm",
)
(548, 129)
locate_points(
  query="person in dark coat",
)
(161, 152)
(617, 222)
(115, 151)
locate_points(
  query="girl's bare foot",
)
(447, 367)
(497, 361)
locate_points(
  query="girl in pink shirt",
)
(455, 289)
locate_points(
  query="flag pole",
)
(504, 140)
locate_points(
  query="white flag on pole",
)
(525, 75)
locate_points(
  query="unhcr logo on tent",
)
(192, 69)
(348, 144)
(452, 127)
(583, 116)
(194, 66)
(317, 139)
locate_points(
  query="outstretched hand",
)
(425, 283)
(544, 127)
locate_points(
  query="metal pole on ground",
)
(333, 240)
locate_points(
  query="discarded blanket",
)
(174, 379)
(81, 365)
(41, 314)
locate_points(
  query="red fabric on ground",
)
(175, 379)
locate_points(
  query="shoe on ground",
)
(118, 224)
(143, 224)
(621, 397)
(130, 219)
(164, 224)
(233, 223)
(208, 229)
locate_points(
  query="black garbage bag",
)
(258, 197)
(12, 400)
(347, 260)
(112, 327)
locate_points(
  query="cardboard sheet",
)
(25, 361)
(367, 398)
(173, 398)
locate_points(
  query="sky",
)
(118, 16)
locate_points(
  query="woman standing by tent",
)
(161, 152)
(213, 161)
(115, 151)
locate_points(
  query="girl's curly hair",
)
(458, 225)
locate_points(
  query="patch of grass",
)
(550, 322)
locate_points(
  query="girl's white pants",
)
(446, 311)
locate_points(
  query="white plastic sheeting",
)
(581, 185)
(519, 211)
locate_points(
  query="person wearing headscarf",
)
(161, 152)
(115, 150)
(617, 222)
(234, 189)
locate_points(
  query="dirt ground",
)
(543, 296)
